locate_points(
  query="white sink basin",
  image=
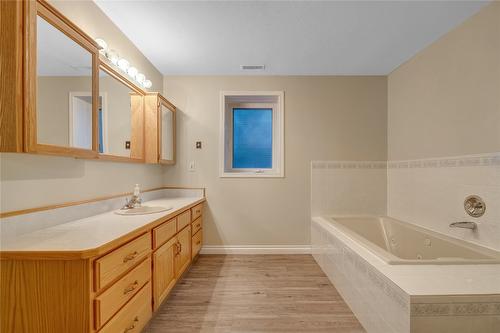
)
(143, 210)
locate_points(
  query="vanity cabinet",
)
(159, 119)
(164, 271)
(113, 288)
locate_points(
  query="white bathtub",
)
(399, 278)
(402, 243)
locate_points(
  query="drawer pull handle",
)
(131, 287)
(198, 242)
(198, 225)
(130, 256)
(131, 327)
(198, 211)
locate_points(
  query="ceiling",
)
(288, 37)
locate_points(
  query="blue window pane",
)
(252, 138)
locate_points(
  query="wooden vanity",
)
(112, 288)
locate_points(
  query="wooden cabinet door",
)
(183, 259)
(164, 277)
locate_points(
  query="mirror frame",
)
(171, 107)
(41, 8)
(138, 134)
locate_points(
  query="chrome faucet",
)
(465, 225)
(135, 200)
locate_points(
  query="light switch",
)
(191, 166)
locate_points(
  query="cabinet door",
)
(183, 259)
(164, 271)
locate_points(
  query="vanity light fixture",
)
(113, 56)
(123, 64)
(140, 78)
(103, 46)
(132, 72)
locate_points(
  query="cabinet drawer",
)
(112, 265)
(196, 211)
(109, 302)
(183, 220)
(197, 225)
(196, 243)
(133, 316)
(164, 232)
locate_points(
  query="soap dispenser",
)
(137, 195)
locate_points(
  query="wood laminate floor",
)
(261, 293)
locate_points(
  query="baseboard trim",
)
(256, 249)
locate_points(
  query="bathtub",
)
(400, 278)
(400, 243)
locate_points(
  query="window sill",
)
(251, 175)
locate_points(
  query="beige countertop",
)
(94, 235)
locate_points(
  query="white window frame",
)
(251, 99)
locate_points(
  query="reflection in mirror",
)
(64, 89)
(115, 117)
(167, 134)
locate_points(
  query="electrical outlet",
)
(198, 144)
(191, 166)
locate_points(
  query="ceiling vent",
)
(253, 67)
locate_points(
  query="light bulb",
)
(103, 46)
(132, 72)
(123, 64)
(140, 78)
(147, 84)
(113, 56)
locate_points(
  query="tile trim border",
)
(455, 309)
(478, 160)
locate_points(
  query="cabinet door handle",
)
(177, 248)
(131, 287)
(131, 327)
(180, 247)
(130, 256)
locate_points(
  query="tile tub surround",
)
(408, 293)
(62, 228)
(430, 193)
(348, 187)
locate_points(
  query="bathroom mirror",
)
(119, 116)
(167, 133)
(64, 89)
(60, 85)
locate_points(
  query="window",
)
(251, 134)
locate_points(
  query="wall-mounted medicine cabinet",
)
(160, 129)
(60, 97)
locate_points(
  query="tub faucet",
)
(465, 225)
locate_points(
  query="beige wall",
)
(89, 17)
(445, 101)
(31, 181)
(326, 118)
